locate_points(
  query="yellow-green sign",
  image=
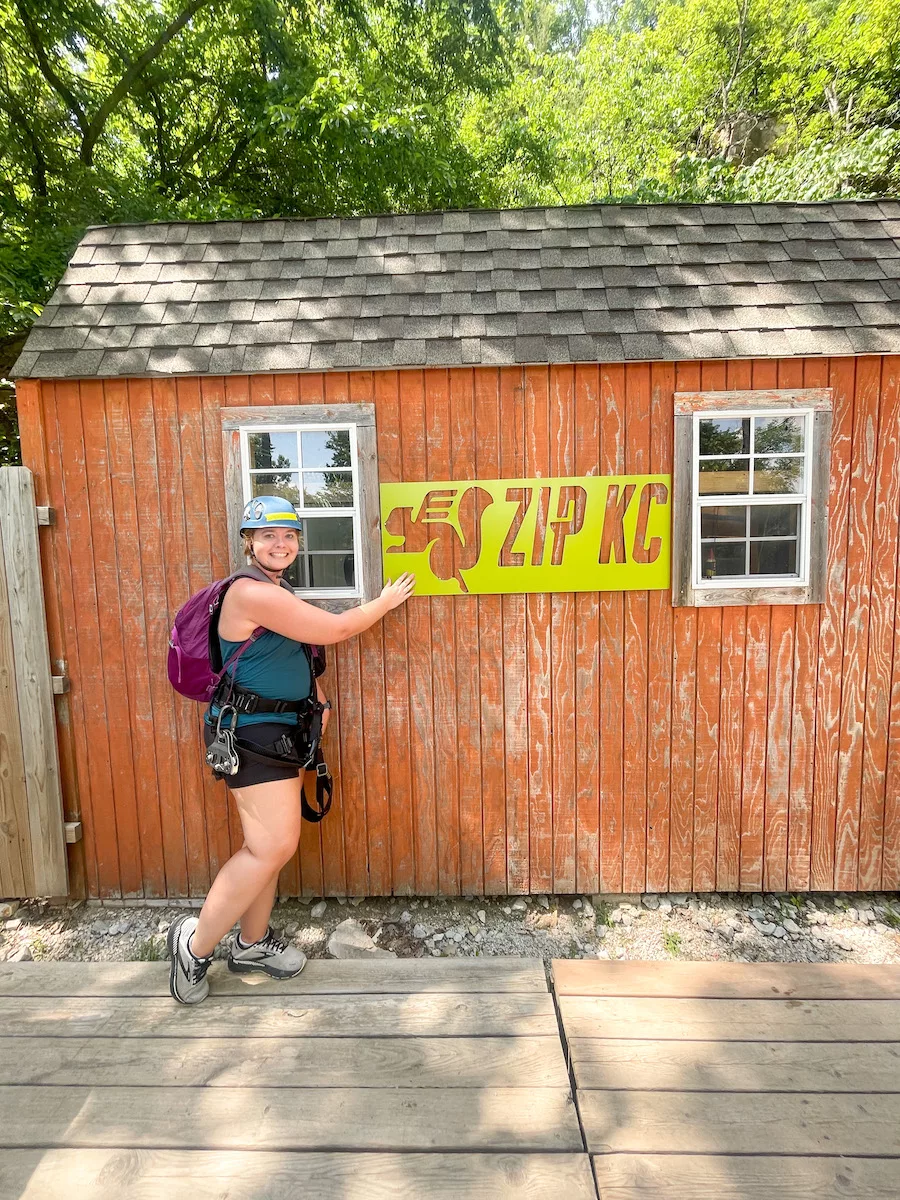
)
(605, 533)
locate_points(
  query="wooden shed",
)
(704, 696)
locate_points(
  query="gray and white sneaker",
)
(270, 954)
(187, 975)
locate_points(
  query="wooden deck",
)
(450, 1078)
(732, 1081)
(409, 1079)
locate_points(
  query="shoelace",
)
(199, 967)
(272, 944)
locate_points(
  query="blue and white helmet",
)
(269, 512)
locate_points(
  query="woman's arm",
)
(251, 603)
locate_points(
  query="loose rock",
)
(350, 940)
(318, 910)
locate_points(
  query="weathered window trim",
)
(362, 416)
(684, 594)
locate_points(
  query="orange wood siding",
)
(485, 744)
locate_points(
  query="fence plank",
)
(16, 874)
(37, 719)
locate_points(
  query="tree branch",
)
(132, 74)
(39, 169)
(56, 82)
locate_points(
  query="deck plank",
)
(508, 1119)
(735, 1177)
(731, 1020)
(434, 1015)
(201, 1175)
(735, 1066)
(319, 977)
(764, 981)
(268, 1062)
(740, 1123)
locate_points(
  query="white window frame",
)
(314, 593)
(689, 588)
(359, 419)
(799, 500)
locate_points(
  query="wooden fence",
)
(32, 830)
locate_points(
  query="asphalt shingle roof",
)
(608, 283)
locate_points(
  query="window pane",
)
(329, 449)
(328, 489)
(296, 573)
(773, 558)
(774, 520)
(331, 571)
(779, 435)
(777, 475)
(268, 450)
(723, 558)
(725, 435)
(286, 484)
(722, 522)
(328, 533)
(724, 477)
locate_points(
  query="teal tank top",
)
(274, 666)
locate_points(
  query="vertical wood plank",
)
(178, 445)
(443, 649)
(856, 622)
(372, 725)
(684, 697)
(587, 656)
(731, 713)
(466, 611)
(563, 698)
(612, 652)
(636, 667)
(16, 859)
(756, 681)
(343, 821)
(51, 398)
(126, 593)
(513, 391)
(882, 631)
(390, 466)
(418, 617)
(33, 442)
(31, 666)
(77, 517)
(354, 783)
(803, 719)
(217, 799)
(491, 656)
(779, 734)
(842, 380)
(659, 651)
(310, 389)
(538, 651)
(149, 468)
(713, 377)
(113, 682)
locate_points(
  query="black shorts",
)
(264, 735)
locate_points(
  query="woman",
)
(267, 795)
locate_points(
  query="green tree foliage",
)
(118, 110)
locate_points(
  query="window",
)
(321, 459)
(314, 468)
(750, 490)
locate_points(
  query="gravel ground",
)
(703, 927)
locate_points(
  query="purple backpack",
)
(195, 660)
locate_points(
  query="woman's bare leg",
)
(255, 920)
(271, 818)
